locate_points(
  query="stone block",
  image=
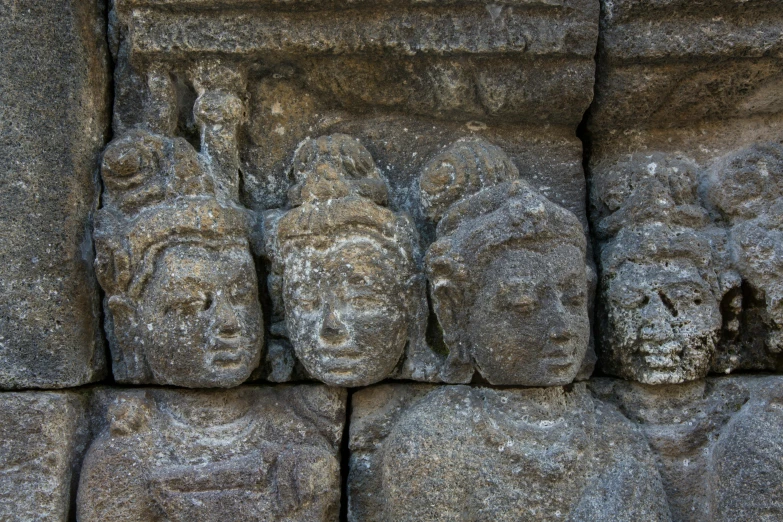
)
(44, 435)
(426, 453)
(54, 104)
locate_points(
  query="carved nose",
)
(560, 333)
(655, 327)
(227, 322)
(558, 326)
(332, 329)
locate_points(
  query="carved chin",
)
(671, 362)
(349, 365)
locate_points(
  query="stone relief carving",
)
(420, 453)
(716, 443)
(507, 273)
(746, 187)
(174, 258)
(347, 269)
(256, 454)
(669, 229)
(660, 315)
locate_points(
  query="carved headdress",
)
(156, 194)
(490, 212)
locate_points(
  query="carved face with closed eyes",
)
(346, 311)
(199, 317)
(529, 323)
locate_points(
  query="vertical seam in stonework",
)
(584, 136)
(345, 458)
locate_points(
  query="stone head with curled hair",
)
(509, 286)
(660, 312)
(347, 268)
(175, 263)
(465, 167)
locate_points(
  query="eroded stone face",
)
(662, 322)
(256, 454)
(458, 453)
(200, 316)
(173, 256)
(508, 282)
(529, 322)
(348, 267)
(345, 311)
(660, 309)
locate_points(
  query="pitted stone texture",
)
(659, 315)
(645, 188)
(717, 443)
(509, 285)
(670, 64)
(424, 453)
(251, 454)
(174, 258)
(54, 103)
(746, 188)
(44, 435)
(346, 271)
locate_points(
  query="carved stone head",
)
(660, 305)
(175, 263)
(747, 188)
(508, 282)
(348, 268)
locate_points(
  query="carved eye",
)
(365, 302)
(241, 293)
(521, 303)
(575, 298)
(634, 299)
(307, 302)
(192, 305)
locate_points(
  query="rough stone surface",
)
(43, 437)
(422, 453)
(54, 108)
(717, 443)
(255, 454)
(684, 141)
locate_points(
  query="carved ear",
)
(128, 355)
(448, 304)
(123, 312)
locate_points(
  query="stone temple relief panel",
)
(427, 453)
(255, 454)
(717, 443)
(370, 142)
(685, 135)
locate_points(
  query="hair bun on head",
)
(464, 168)
(332, 167)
